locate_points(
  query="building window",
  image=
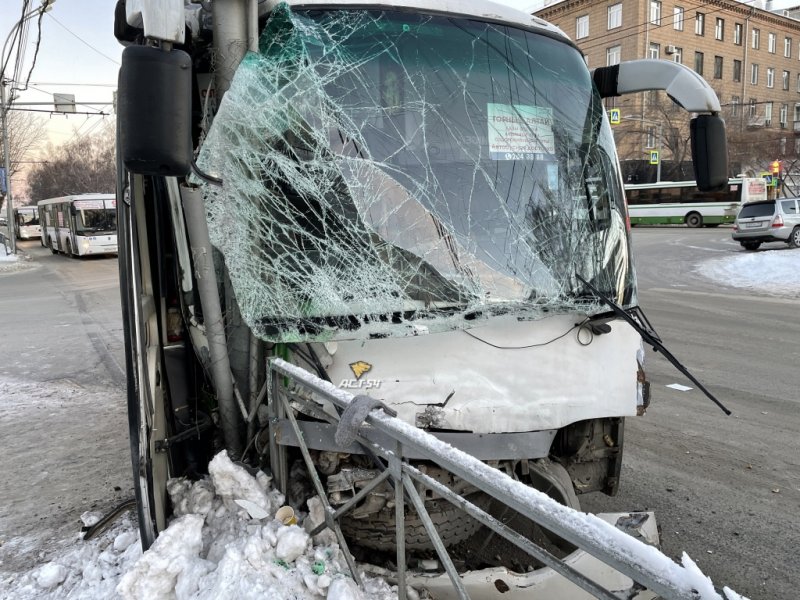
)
(717, 67)
(756, 38)
(677, 18)
(768, 114)
(698, 62)
(798, 83)
(655, 51)
(735, 106)
(771, 43)
(700, 24)
(655, 12)
(677, 56)
(785, 80)
(613, 55)
(719, 29)
(770, 77)
(753, 108)
(737, 34)
(737, 70)
(615, 16)
(796, 113)
(754, 74)
(787, 47)
(582, 27)
(784, 114)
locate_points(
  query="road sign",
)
(653, 157)
(614, 116)
(769, 180)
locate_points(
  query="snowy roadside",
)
(10, 263)
(224, 542)
(775, 272)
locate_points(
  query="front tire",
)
(694, 220)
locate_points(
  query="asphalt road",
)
(725, 489)
(63, 430)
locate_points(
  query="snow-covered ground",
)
(775, 272)
(223, 542)
(13, 262)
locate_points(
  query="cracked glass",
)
(396, 173)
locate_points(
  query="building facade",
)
(750, 57)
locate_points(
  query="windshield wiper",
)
(651, 338)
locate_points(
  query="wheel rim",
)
(796, 237)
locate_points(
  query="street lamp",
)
(46, 5)
(660, 138)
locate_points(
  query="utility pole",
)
(7, 164)
(45, 6)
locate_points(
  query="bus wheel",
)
(68, 249)
(694, 219)
(51, 246)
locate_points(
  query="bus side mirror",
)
(154, 108)
(709, 152)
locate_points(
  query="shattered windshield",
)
(392, 173)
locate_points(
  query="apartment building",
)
(750, 56)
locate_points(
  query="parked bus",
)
(678, 202)
(26, 223)
(80, 225)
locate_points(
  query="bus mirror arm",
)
(650, 338)
(690, 91)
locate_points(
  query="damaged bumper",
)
(545, 583)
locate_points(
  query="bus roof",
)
(671, 184)
(72, 198)
(485, 10)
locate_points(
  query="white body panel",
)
(468, 385)
(681, 209)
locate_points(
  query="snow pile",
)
(774, 272)
(214, 548)
(13, 262)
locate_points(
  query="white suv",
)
(768, 221)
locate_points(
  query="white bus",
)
(26, 223)
(679, 202)
(80, 225)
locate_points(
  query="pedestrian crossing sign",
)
(614, 116)
(653, 157)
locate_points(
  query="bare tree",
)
(26, 134)
(83, 165)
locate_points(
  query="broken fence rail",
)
(644, 564)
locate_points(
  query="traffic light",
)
(775, 167)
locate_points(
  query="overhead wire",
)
(60, 24)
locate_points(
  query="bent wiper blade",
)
(651, 338)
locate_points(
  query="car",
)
(768, 221)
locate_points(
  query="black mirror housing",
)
(709, 152)
(154, 108)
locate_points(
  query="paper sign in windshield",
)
(94, 204)
(520, 132)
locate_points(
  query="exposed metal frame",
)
(409, 440)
